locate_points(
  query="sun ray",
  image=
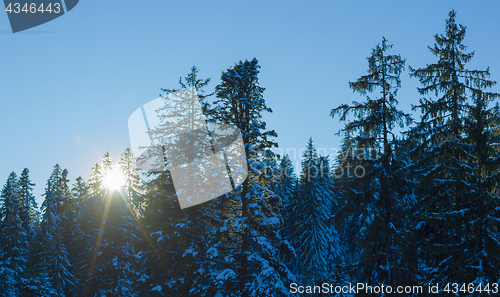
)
(114, 180)
(101, 230)
(136, 217)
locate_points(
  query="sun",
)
(113, 179)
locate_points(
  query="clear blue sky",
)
(68, 87)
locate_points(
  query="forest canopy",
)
(414, 208)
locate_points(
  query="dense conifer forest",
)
(414, 208)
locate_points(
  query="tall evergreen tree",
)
(181, 234)
(90, 207)
(443, 216)
(54, 258)
(162, 271)
(253, 211)
(95, 183)
(287, 180)
(287, 184)
(337, 272)
(30, 215)
(132, 182)
(13, 239)
(313, 238)
(84, 233)
(371, 199)
(483, 199)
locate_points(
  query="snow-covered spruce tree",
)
(350, 218)
(179, 233)
(13, 239)
(93, 211)
(483, 198)
(370, 198)
(85, 233)
(162, 271)
(30, 216)
(282, 181)
(69, 228)
(91, 206)
(405, 262)
(337, 273)
(271, 170)
(287, 180)
(38, 281)
(132, 187)
(106, 164)
(80, 226)
(54, 269)
(253, 245)
(443, 217)
(312, 236)
(287, 189)
(95, 182)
